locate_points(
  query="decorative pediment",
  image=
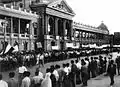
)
(61, 5)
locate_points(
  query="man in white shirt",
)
(87, 62)
(42, 59)
(38, 58)
(66, 69)
(21, 70)
(37, 79)
(40, 74)
(55, 72)
(78, 64)
(2, 82)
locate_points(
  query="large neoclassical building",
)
(45, 24)
(89, 35)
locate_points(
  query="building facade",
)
(46, 24)
(16, 26)
(55, 23)
(116, 38)
(89, 35)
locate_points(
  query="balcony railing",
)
(16, 9)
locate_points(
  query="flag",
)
(10, 50)
(7, 48)
(1, 52)
(5, 44)
(16, 49)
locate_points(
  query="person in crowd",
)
(61, 75)
(47, 81)
(12, 82)
(105, 64)
(26, 82)
(2, 82)
(55, 72)
(87, 61)
(88, 66)
(96, 65)
(38, 58)
(38, 69)
(21, 70)
(67, 81)
(68, 66)
(111, 71)
(37, 79)
(73, 73)
(66, 69)
(78, 78)
(41, 59)
(118, 64)
(53, 78)
(92, 67)
(84, 73)
(101, 64)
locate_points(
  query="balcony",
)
(16, 9)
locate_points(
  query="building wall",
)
(11, 37)
(116, 39)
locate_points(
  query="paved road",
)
(102, 81)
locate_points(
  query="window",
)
(15, 25)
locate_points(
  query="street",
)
(100, 81)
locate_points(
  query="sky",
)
(93, 12)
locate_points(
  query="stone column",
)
(47, 22)
(30, 35)
(71, 28)
(88, 38)
(85, 36)
(81, 37)
(56, 26)
(18, 32)
(64, 27)
(11, 31)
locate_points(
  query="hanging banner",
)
(39, 45)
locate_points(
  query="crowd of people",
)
(78, 71)
(12, 61)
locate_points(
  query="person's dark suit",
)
(111, 72)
